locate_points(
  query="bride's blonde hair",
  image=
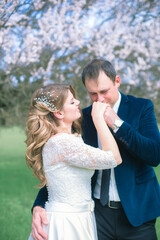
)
(42, 124)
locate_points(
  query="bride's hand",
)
(98, 110)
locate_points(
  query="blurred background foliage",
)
(51, 41)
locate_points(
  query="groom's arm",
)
(41, 198)
(39, 216)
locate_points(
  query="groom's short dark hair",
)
(93, 68)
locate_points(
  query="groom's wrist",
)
(117, 124)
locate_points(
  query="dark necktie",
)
(104, 195)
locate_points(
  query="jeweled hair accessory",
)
(47, 100)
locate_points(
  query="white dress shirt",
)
(113, 192)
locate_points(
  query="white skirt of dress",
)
(70, 222)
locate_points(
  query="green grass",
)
(16, 187)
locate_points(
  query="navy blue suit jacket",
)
(139, 142)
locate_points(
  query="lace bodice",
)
(69, 165)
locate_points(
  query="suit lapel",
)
(90, 137)
(123, 108)
(89, 130)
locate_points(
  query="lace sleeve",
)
(72, 150)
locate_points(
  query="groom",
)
(127, 208)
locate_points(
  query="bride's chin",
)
(79, 115)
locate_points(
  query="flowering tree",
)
(43, 41)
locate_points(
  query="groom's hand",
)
(39, 217)
(110, 116)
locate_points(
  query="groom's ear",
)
(117, 81)
(58, 115)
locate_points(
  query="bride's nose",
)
(77, 102)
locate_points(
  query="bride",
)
(60, 159)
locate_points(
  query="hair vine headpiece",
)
(47, 100)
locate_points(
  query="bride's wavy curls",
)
(42, 124)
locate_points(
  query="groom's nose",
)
(100, 98)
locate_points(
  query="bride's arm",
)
(72, 150)
(107, 140)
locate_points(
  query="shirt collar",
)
(116, 105)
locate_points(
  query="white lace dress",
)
(69, 165)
